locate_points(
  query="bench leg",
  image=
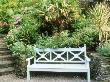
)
(28, 74)
(88, 76)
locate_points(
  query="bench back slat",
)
(61, 55)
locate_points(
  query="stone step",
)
(5, 57)
(4, 49)
(3, 46)
(4, 64)
(6, 71)
(2, 35)
(7, 52)
(105, 66)
(2, 40)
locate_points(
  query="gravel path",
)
(42, 78)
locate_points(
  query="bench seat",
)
(59, 67)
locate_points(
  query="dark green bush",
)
(81, 22)
(8, 9)
(4, 29)
(87, 36)
(59, 40)
(21, 48)
(104, 49)
(11, 38)
(20, 52)
(26, 32)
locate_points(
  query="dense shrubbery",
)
(8, 10)
(88, 36)
(46, 24)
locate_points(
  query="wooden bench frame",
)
(43, 63)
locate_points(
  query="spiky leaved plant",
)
(100, 15)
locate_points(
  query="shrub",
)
(25, 32)
(104, 49)
(57, 15)
(59, 40)
(8, 8)
(21, 48)
(86, 36)
(4, 29)
(81, 22)
(12, 37)
(20, 52)
(83, 36)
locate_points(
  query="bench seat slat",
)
(59, 70)
(58, 66)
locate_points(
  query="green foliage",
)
(56, 15)
(104, 49)
(86, 36)
(20, 48)
(81, 22)
(12, 37)
(4, 29)
(27, 32)
(20, 52)
(83, 36)
(8, 8)
(57, 41)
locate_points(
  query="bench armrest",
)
(28, 59)
(87, 59)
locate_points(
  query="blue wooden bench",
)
(60, 60)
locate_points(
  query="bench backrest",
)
(61, 55)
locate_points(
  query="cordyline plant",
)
(57, 13)
(100, 15)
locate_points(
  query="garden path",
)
(42, 78)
